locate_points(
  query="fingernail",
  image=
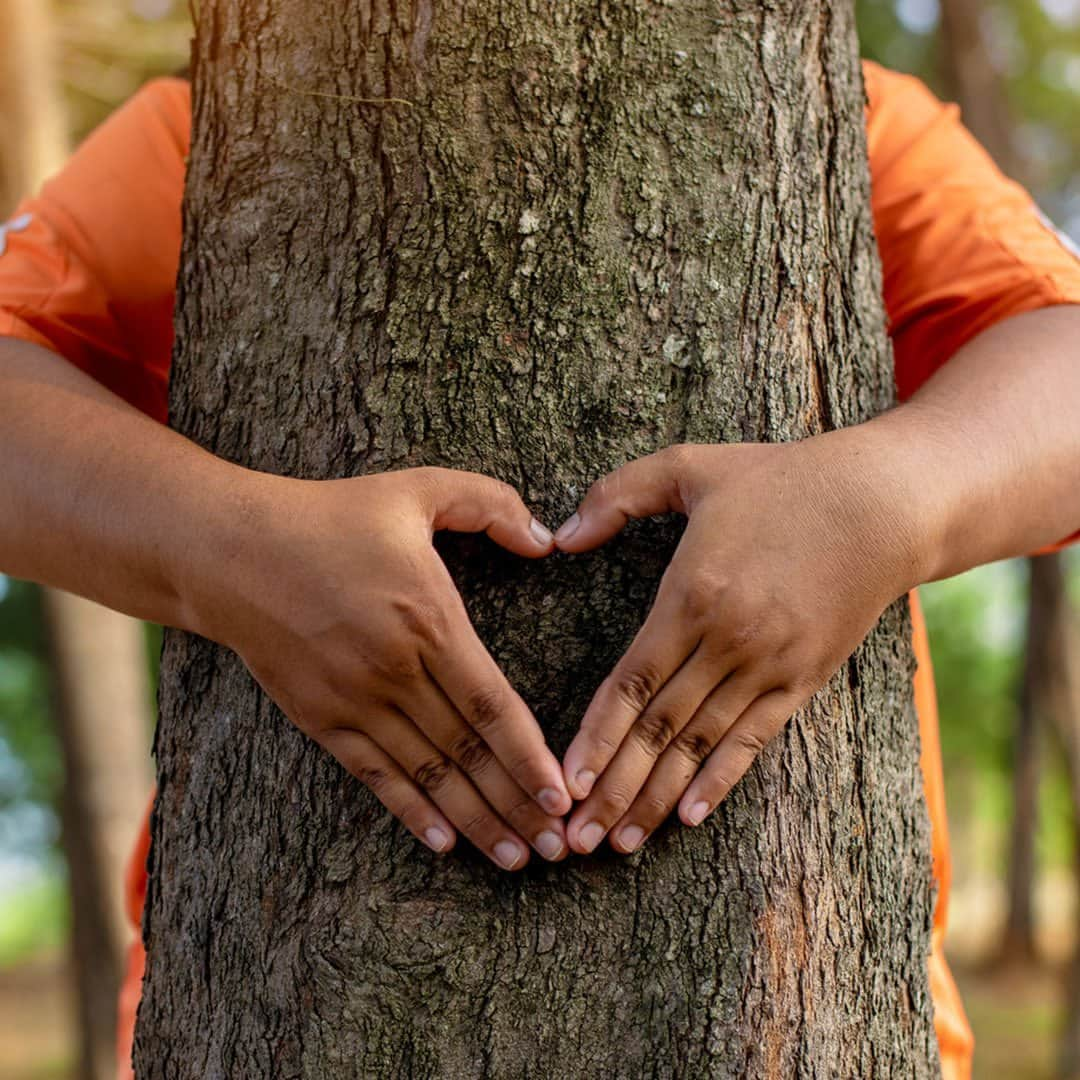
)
(631, 836)
(585, 778)
(550, 800)
(591, 835)
(540, 534)
(549, 844)
(696, 814)
(568, 527)
(436, 839)
(507, 854)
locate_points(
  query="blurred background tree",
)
(1030, 55)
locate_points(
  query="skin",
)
(392, 680)
(790, 554)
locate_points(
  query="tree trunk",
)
(33, 141)
(1052, 693)
(976, 83)
(101, 703)
(594, 230)
(100, 692)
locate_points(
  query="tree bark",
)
(593, 231)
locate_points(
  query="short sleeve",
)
(962, 247)
(88, 265)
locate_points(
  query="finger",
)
(448, 787)
(640, 488)
(378, 772)
(658, 650)
(736, 752)
(444, 726)
(470, 502)
(471, 679)
(649, 736)
(681, 760)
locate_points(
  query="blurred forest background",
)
(76, 702)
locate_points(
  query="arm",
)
(997, 431)
(103, 501)
(982, 463)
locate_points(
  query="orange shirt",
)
(87, 268)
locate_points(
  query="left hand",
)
(791, 553)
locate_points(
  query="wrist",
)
(212, 550)
(902, 493)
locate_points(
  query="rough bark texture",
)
(598, 229)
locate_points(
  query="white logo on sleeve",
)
(16, 224)
(1063, 239)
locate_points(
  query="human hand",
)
(791, 553)
(335, 598)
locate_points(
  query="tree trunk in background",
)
(978, 87)
(101, 701)
(100, 692)
(1054, 674)
(33, 139)
(598, 229)
(976, 83)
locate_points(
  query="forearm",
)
(101, 500)
(989, 449)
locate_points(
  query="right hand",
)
(342, 609)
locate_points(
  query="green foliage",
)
(29, 753)
(884, 37)
(1035, 45)
(34, 919)
(976, 642)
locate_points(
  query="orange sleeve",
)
(88, 266)
(961, 246)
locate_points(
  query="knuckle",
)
(599, 738)
(504, 493)
(422, 622)
(373, 777)
(637, 686)
(749, 740)
(676, 457)
(614, 802)
(655, 808)
(470, 752)
(520, 808)
(484, 706)
(701, 597)
(745, 636)
(398, 665)
(695, 746)
(603, 490)
(654, 729)
(427, 480)
(477, 824)
(433, 773)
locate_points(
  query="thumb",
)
(641, 488)
(471, 502)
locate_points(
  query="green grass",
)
(34, 920)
